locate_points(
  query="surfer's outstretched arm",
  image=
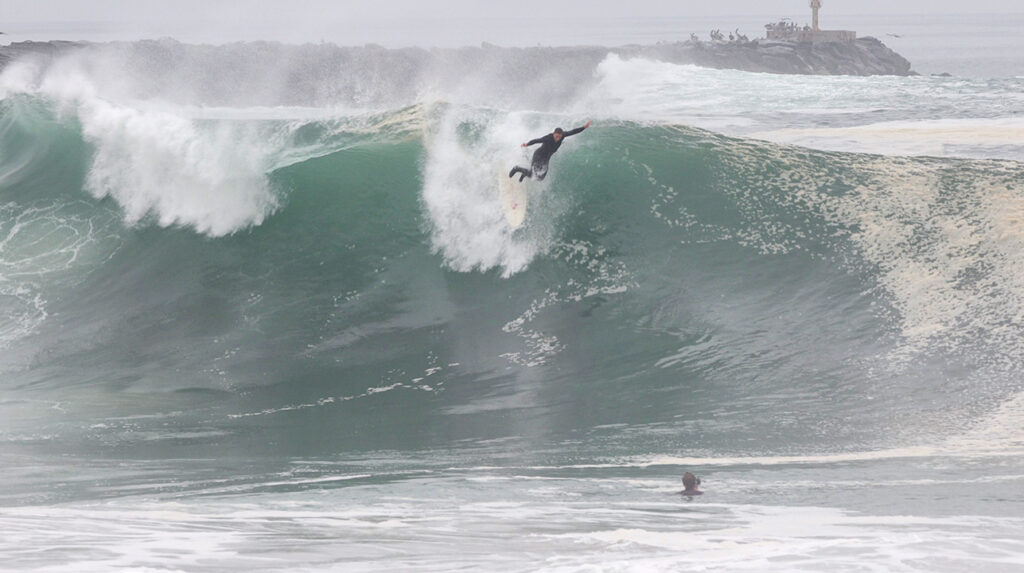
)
(575, 131)
(534, 141)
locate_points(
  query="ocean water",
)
(259, 310)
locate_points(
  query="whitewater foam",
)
(41, 249)
(209, 178)
(981, 138)
(944, 242)
(158, 160)
(949, 117)
(467, 151)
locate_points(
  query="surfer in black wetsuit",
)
(549, 144)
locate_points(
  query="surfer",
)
(549, 144)
(690, 483)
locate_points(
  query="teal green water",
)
(303, 338)
(675, 276)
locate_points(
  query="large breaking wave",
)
(177, 222)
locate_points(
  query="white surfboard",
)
(512, 194)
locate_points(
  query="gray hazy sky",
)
(398, 23)
(298, 10)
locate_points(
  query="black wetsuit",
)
(541, 157)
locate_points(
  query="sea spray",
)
(209, 176)
(154, 159)
(467, 151)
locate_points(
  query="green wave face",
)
(351, 279)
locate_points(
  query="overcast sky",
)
(150, 10)
(398, 23)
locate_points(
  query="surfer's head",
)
(690, 481)
(557, 133)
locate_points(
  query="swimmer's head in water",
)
(690, 481)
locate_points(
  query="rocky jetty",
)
(860, 57)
